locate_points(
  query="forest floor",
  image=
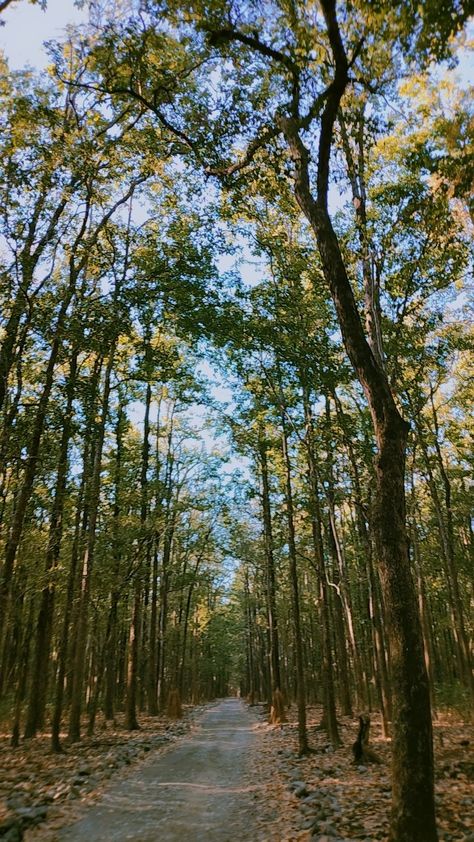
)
(326, 797)
(258, 789)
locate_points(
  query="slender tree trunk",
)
(22, 677)
(342, 659)
(31, 465)
(356, 171)
(185, 623)
(446, 528)
(329, 712)
(165, 579)
(111, 637)
(270, 568)
(68, 606)
(28, 260)
(8, 444)
(75, 268)
(87, 563)
(337, 576)
(144, 645)
(427, 632)
(152, 665)
(152, 677)
(251, 690)
(163, 613)
(44, 624)
(131, 719)
(381, 669)
(135, 627)
(7, 351)
(355, 645)
(303, 744)
(374, 606)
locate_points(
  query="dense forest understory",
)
(236, 377)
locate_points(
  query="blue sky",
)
(26, 27)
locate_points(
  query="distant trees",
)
(108, 539)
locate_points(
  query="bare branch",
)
(220, 36)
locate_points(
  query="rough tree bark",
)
(413, 814)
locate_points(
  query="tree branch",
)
(134, 94)
(335, 93)
(220, 36)
(356, 53)
(258, 143)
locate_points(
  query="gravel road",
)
(202, 790)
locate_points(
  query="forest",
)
(236, 373)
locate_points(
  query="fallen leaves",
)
(326, 797)
(38, 786)
(323, 797)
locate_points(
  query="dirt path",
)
(204, 789)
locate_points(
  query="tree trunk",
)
(69, 602)
(8, 443)
(111, 637)
(413, 812)
(337, 576)
(303, 745)
(329, 707)
(413, 809)
(152, 666)
(28, 260)
(446, 531)
(274, 658)
(152, 676)
(135, 627)
(165, 579)
(24, 652)
(44, 624)
(427, 631)
(131, 720)
(34, 446)
(93, 496)
(375, 609)
(32, 459)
